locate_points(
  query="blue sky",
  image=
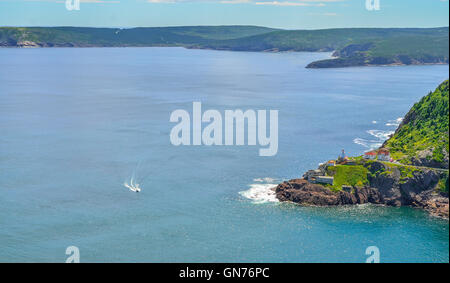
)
(289, 14)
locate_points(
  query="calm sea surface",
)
(75, 124)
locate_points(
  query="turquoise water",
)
(76, 124)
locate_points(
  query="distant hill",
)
(404, 50)
(422, 138)
(352, 46)
(112, 37)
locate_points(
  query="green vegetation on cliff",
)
(354, 46)
(350, 175)
(444, 183)
(422, 138)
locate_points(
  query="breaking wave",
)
(261, 192)
(394, 123)
(370, 144)
(264, 180)
(377, 137)
(380, 135)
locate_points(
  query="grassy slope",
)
(426, 126)
(358, 175)
(386, 46)
(351, 175)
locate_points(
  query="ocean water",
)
(75, 124)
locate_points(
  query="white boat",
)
(133, 186)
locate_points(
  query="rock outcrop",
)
(388, 185)
(425, 158)
(437, 206)
(27, 44)
(419, 177)
(302, 192)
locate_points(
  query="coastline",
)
(350, 47)
(309, 66)
(302, 192)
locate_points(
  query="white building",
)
(384, 155)
(324, 180)
(370, 155)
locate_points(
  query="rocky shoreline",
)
(354, 55)
(387, 186)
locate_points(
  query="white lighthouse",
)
(342, 155)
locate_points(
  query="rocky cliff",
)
(422, 137)
(388, 185)
(420, 179)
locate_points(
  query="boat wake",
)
(132, 186)
(138, 177)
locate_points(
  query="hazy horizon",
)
(281, 14)
(230, 25)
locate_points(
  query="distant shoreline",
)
(216, 49)
(351, 47)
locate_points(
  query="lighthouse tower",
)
(342, 155)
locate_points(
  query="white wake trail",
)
(132, 186)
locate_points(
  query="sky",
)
(287, 14)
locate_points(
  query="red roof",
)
(370, 153)
(383, 152)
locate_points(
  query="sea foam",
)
(377, 136)
(261, 192)
(394, 123)
(264, 180)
